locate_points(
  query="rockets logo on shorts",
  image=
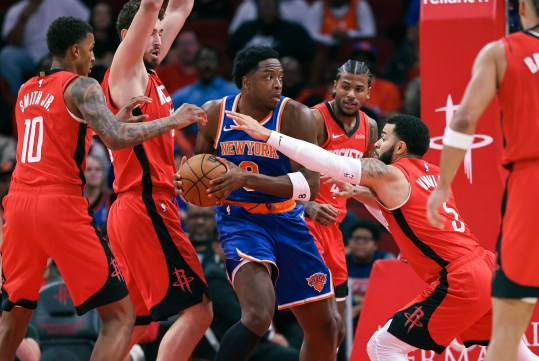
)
(413, 319)
(317, 281)
(183, 280)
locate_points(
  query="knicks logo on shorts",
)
(317, 281)
(183, 280)
(413, 319)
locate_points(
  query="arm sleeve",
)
(317, 159)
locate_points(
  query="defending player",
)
(160, 265)
(456, 303)
(343, 129)
(510, 68)
(46, 214)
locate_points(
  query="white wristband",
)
(300, 187)
(457, 140)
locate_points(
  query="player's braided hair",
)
(354, 67)
(248, 59)
(412, 131)
(128, 12)
(64, 32)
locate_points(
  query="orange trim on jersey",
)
(307, 300)
(220, 121)
(280, 115)
(264, 208)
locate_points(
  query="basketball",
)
(196, 174)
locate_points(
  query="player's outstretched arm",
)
(175, 15)
(367, 171)
(85, 98)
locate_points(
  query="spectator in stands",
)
(331, 22)
(404, 63)
(289, 39)
(385, 97)
(290, 10)
(362, 253)
(201, 230)
(100, 197)
(295, 86)
(210, 9)
(24, 32)
(412, 98)
(209, 85)
(227, 312)
(106, 38)
(180, 68)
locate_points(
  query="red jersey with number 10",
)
(352, 144)
(427, 248)
(152, 162)
(52, 143)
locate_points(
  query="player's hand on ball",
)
(232, 180)
(188, 114)
(177, 180)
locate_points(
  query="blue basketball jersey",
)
(251, 154)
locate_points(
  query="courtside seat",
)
(63, 334)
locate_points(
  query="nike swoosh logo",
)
(227, 129)
(335, 136)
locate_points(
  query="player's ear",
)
(75, 50)
(245, 82)
(401, 147)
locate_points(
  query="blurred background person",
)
(332, 22)
(362, 253)
(179, 68)
(106, 38)
(24, 33)
(291, 10)
(99, 196)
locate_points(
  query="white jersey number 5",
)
(457, 225)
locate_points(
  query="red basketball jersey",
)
(426, 248)
(519, 97)
(353, 144)
(52, 143)
(152, 162)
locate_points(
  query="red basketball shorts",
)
(53, 221)
(159, 263)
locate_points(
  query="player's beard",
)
(152, 64)
(387, 156)
(340, 109)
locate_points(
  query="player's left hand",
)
(436, 199)
(248, 125)
(232, 180)
(125, 115)
(176, 179)
(346, 189)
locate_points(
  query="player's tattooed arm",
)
(374, 168)
(87, 97)
(373, 137)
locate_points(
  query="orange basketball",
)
(196, 174)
